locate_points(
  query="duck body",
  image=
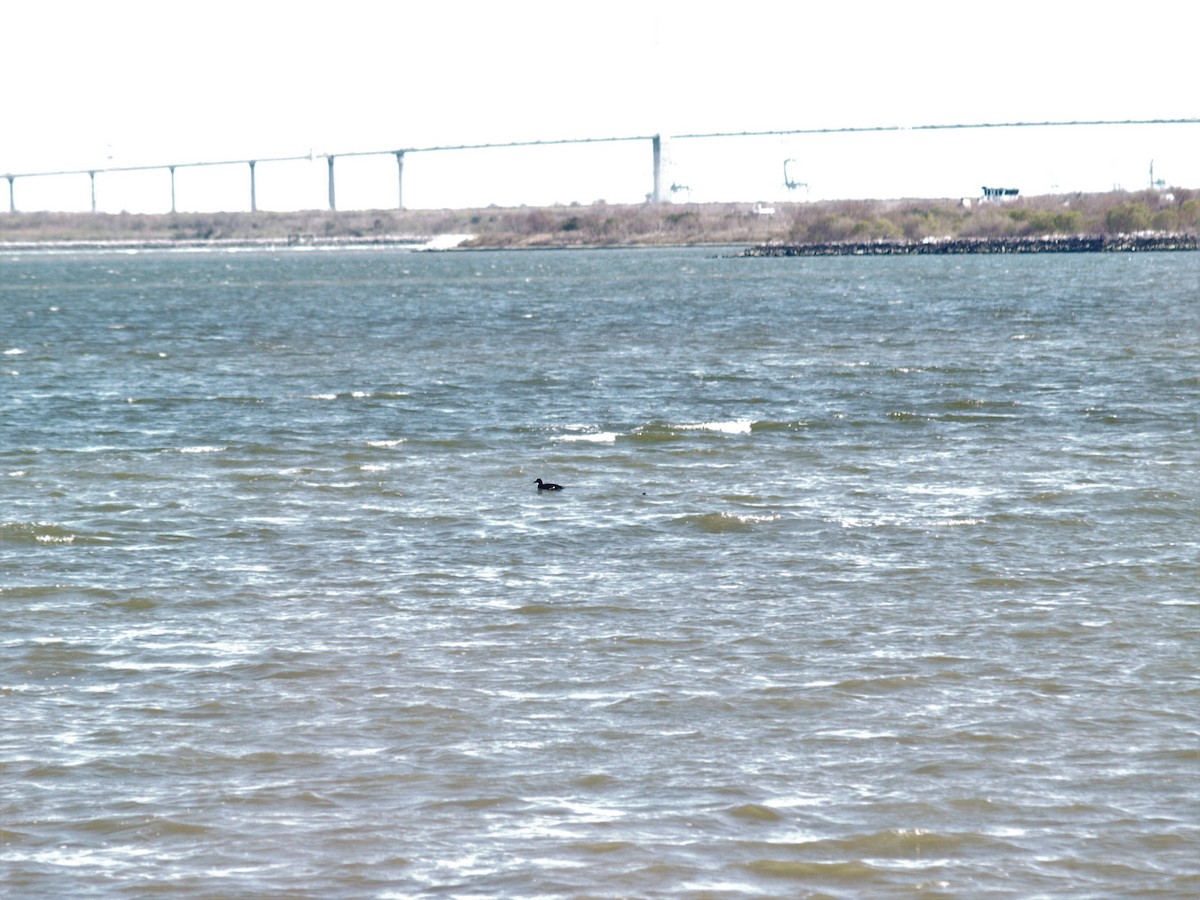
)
(547, 485)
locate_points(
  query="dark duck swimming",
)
(547, 485)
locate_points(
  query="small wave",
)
(664, 431)
(899, 843)
(733, 426)
(202, 448)
(133, 604)
(769, 425)
(970, 404)
(384, 444)
(15, 351)
(724, 522)
(35, 532)
(978, 411)
(358, 394)
(536, 609)
(55, 538)
(145, 825)
(797, 869)
(486, 802)
(589, 847)
(755, 812)
(595, 437)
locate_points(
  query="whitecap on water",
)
(596, 437)
(55, 538)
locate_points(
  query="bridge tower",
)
(656, 150)
(399, 179)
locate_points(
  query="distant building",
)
(998, 195)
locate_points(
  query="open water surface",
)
(871, 578)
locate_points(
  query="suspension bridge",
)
(655, 195)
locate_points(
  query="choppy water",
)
(872, 577)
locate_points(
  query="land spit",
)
(854, 227)
(1080, 243)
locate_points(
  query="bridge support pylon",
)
(399, 179)
(656, 149)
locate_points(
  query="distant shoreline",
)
(1060, 223)
(1139, 243)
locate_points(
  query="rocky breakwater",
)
(1080, 243)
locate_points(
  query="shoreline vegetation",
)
(1105, 222)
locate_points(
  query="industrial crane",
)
(788, 182)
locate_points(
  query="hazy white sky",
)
(124, 83)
